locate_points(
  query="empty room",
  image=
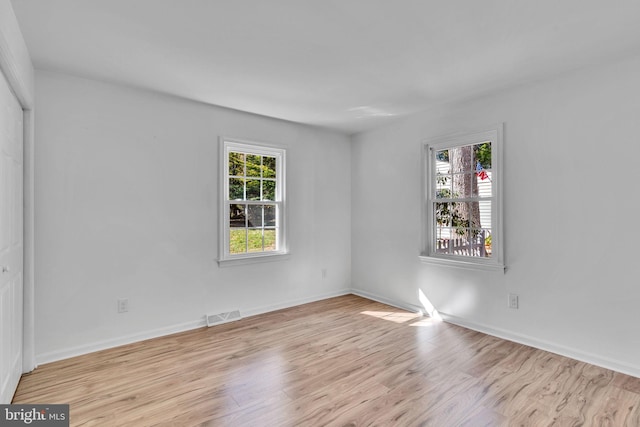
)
(319, 213)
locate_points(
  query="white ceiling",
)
(350, 65)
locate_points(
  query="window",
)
(253, 202)
(462, 201)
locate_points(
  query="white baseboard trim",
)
(385, 300)
(587, 357)
(591, 358)
(67, 353)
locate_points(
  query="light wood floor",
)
(345, 361)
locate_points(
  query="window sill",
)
(253, 259)
(458, 263)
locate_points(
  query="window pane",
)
(486, 239)
(443, 214)
(461, 159)
(482, 154)
(269, 216)
(268, 167)
(476, 240)
(253, 189)
(268, 190)
(471, 214)
(237, 240)
(459, 244)
(255, 240)
(236, 164)
(269, 240)
(443, 187)
(443, 169)
(463, 185)
(458, 215)
(441, 246)
(236, 189)
(442, 156)
(482, 159)
(255, 216)
(444, 237)
(253, 165)
(485, 213)
(237, 216)
(484, 183)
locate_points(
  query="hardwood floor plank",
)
(483, 417)
(626, 382)
(344, 361)
(620, 408)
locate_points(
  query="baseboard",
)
(591, 358)
(67, 353)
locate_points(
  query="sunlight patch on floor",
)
(393, 316)
(426, 321)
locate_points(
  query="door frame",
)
(15, 64)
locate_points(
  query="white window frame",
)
(428, 251)
(228, 145)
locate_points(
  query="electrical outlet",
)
(123, 305)
(513, 301)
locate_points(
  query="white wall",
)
(571, 229)
(126, 198)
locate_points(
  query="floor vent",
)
(217, 319)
